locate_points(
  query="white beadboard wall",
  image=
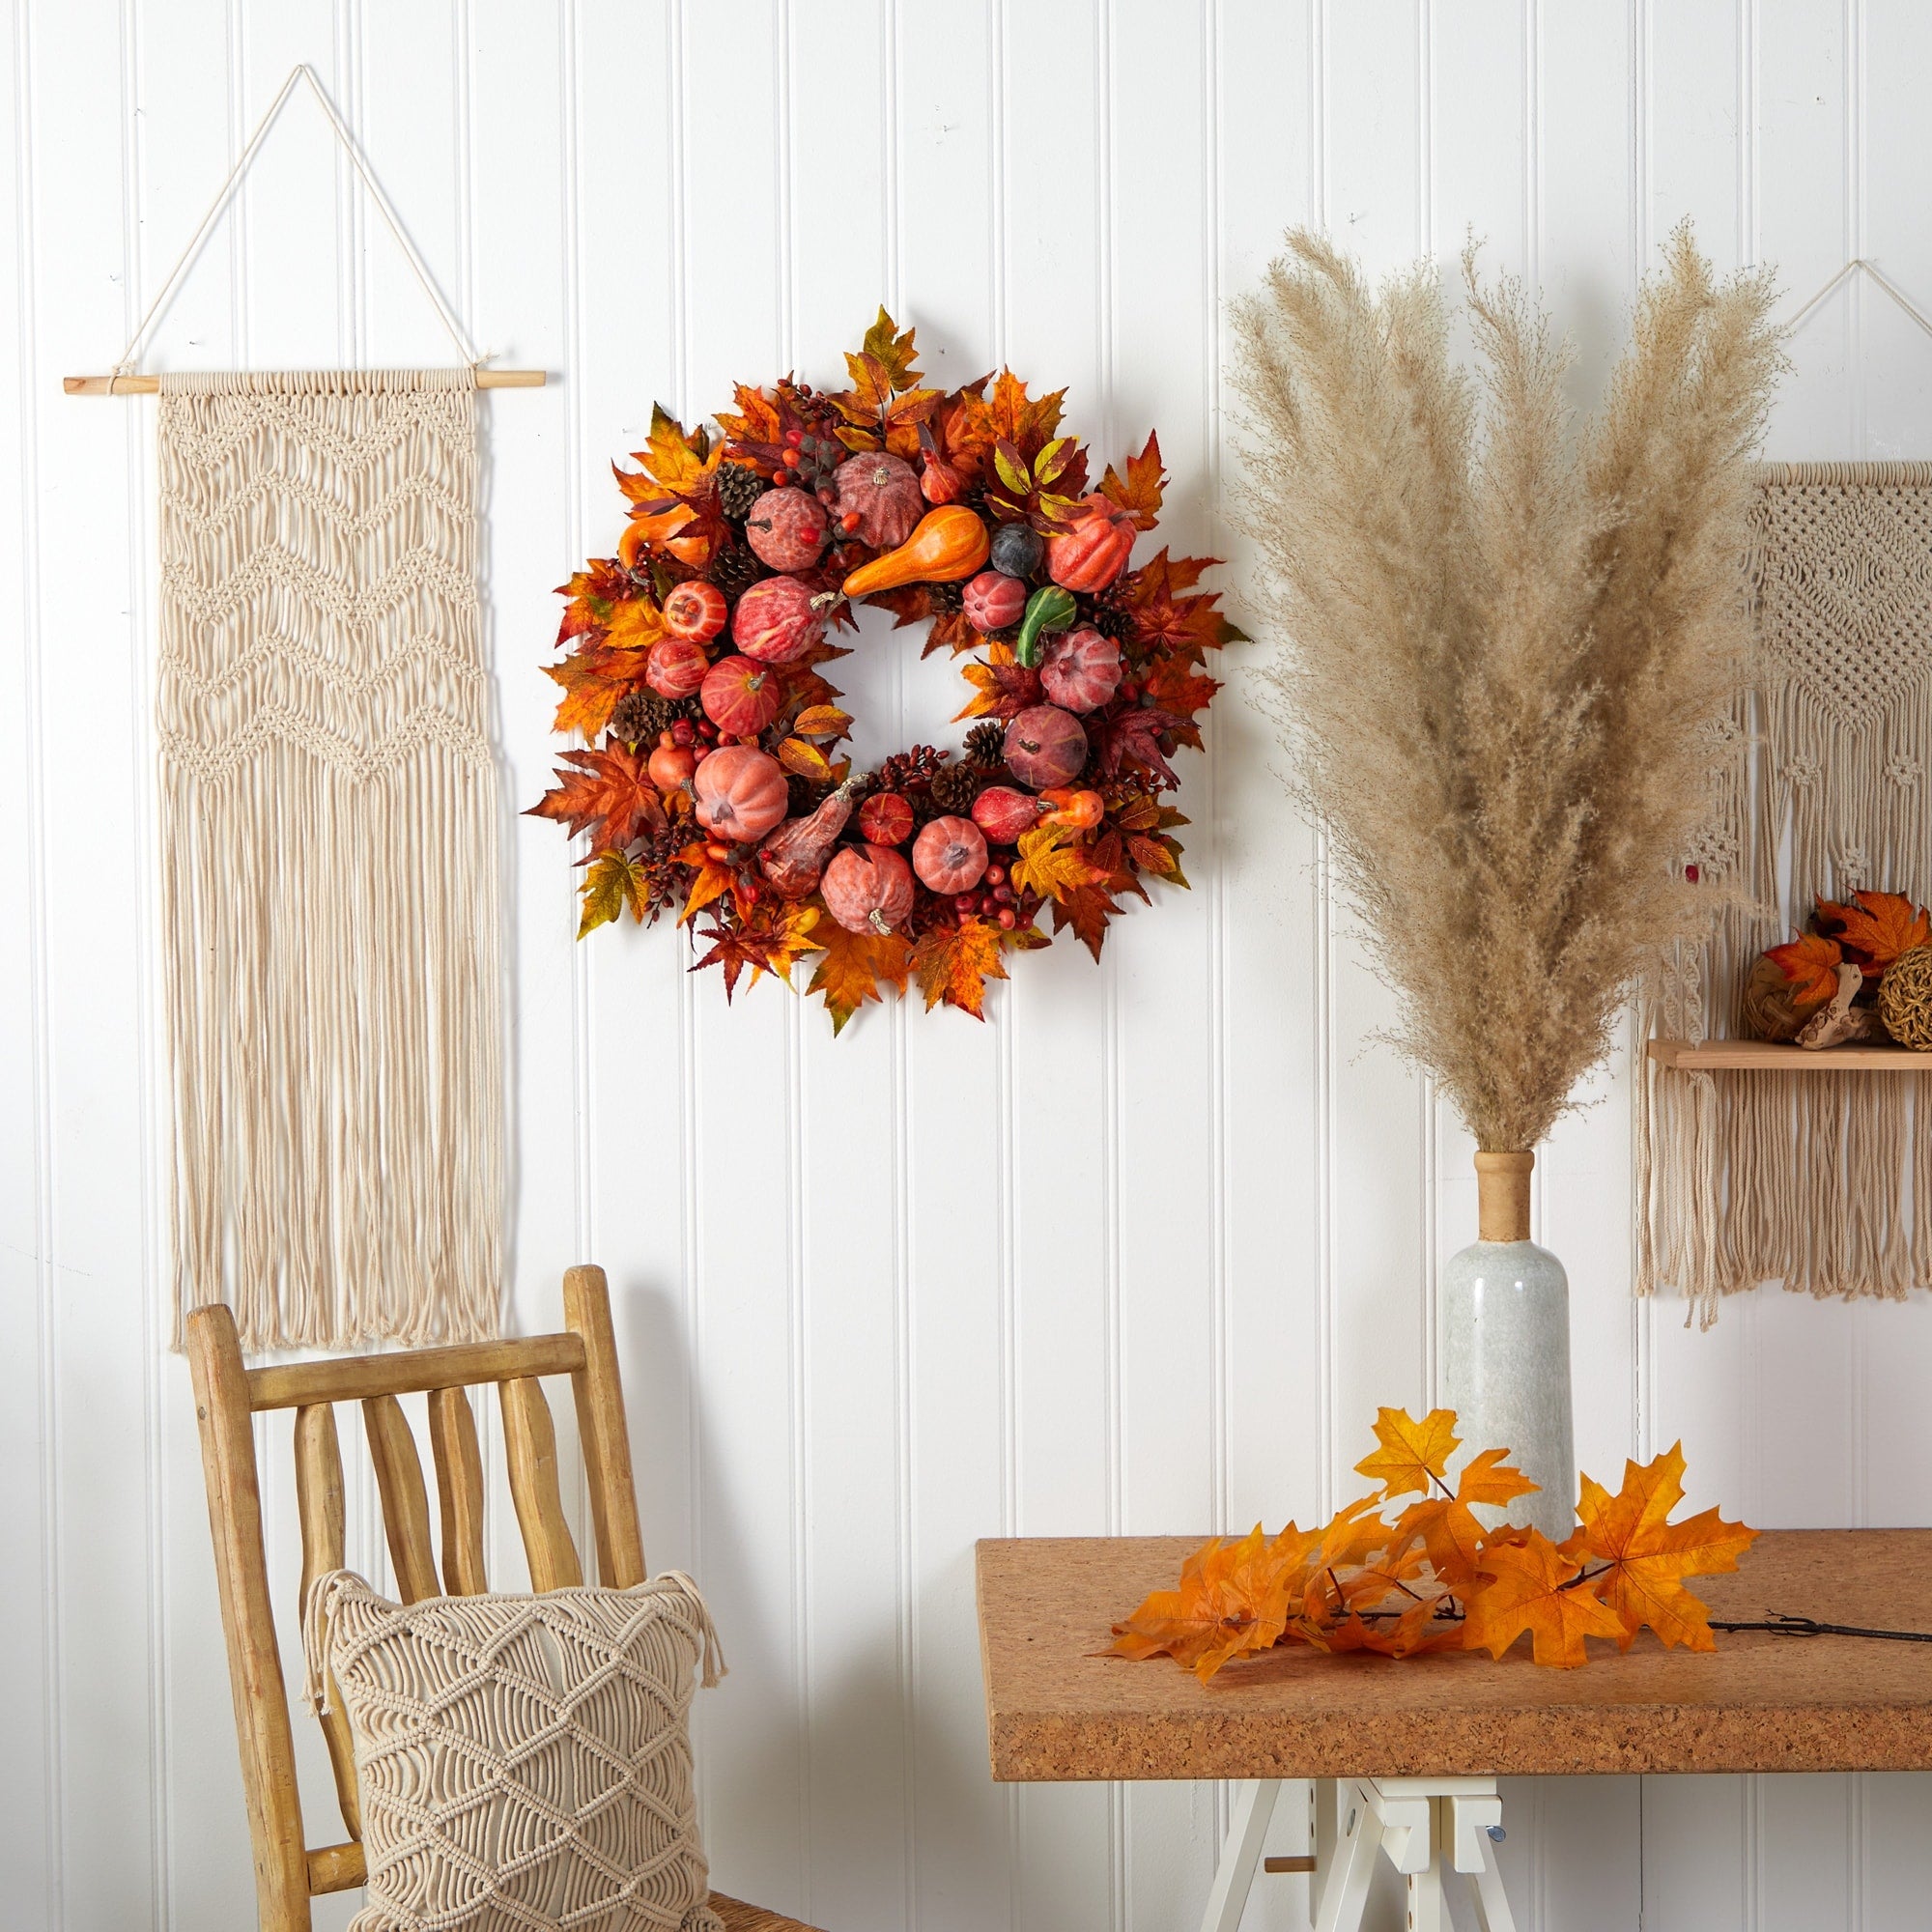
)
(1140, 1254)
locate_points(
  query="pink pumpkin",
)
(740, 793)
(776, 620)
(1045, 746)
(868, 887)
(994, 600)
(950, 856)
(786, 529)
(1081, 671)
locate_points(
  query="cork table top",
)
(1761, 1702)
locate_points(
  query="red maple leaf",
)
(1132, 738)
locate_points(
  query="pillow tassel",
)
(715, 1666)
(315, 1612)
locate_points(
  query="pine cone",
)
(1111, 621)
(955, 787)
(739, 487)
(948, 600)
(640, 716)
(986, 746)
(802, 797)
(735, 571)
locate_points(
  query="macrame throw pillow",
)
(524, 1762)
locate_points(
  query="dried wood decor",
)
(1747, 1175)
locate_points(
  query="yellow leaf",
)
(1411, 1452)
(612, 881)
(1047, 866)
(807, 760)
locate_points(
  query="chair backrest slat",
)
(226, 1393)
(399, 1477)
(459, 1488)
(602, 1430)
(356, 1378)
(529, 1443)
(319, 1504)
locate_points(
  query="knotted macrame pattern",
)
(1825, 781)
(524, 1762)
(329, 857)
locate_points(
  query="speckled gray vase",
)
(1505, 1335)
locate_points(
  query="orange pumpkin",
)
(1094, 548)
(949, 543)
(740, 792)
(867, 888)
(741, 695)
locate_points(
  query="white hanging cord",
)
(124, 364)
(1878, 276)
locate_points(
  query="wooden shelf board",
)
(1739, 1055)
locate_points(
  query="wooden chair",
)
(288, 1873)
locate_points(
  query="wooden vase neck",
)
(1502, 1196)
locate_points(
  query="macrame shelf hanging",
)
(1758, 1162)
(328, 814)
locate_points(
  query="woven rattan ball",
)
(1905, 998)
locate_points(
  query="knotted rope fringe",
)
(1745, 1177)
(329, 859)
(523, 1761)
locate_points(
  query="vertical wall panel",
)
(1145, 1249)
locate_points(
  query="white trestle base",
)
(1426, 1827)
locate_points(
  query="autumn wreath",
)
(711, 781)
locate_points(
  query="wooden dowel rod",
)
(149, 385)
(356, 1378)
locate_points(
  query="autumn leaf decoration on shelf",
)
(1432, 1577)
(1822, 986)
(710, 783)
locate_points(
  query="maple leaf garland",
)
(1435, 1579)
(999, 451)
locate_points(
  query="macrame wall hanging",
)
(329, 812)
(1805, 1177)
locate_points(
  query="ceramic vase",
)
(1505, 1340)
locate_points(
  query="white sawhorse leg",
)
(1424, 1825)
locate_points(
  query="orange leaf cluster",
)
(1432, 1577)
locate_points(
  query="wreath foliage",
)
(969, 511)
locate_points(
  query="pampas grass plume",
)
(1505, 644)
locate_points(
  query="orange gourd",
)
(740, 793)
(947, 544)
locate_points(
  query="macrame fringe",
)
(329, 814)
(1753, 1177)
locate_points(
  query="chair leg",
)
(1228, 1895)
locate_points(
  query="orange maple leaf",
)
(610, 789)
(1140, 490)
(1028, 423)
(1231, 1598)
(712, 881)
(614, 881)
(1809, 964)
(953, 963)
(851, 966)
(593, 680)
(1648, 1557)
(677, 463)
(1448, 1524)
(1874, 930)
(1412, 1454)
(1532, 1586)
